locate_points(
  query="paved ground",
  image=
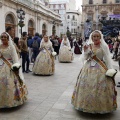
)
(50, 97)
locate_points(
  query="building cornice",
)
(93, 5)
(38, 8)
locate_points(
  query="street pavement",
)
(49, 97)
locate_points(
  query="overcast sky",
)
(78, 3)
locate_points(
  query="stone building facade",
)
(96, 9)
(73, 18)
(61, 6)
(38, 18)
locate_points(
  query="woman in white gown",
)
(65, 53)
(94, 91)
(44, 64)
(13, 91)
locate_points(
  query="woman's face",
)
(4, 39)
(96, 38)
(65, 38)
(46, 38)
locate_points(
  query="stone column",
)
(49, 28)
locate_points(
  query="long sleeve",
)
(52, 48)
(23, 46)
(86, 54)
(14, 54)
(42, 46)
(68, 44)
(107, 61)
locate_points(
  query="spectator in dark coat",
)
(29, 42)
(35, 44)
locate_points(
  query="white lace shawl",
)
(62, 43)
(104, 46)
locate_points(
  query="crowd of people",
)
(95, 87)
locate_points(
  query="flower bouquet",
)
(69, 48)
(54, 53)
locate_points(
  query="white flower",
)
(69, 48)
(111, 72)
(54, 53)
(16, 65)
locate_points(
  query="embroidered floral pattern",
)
(65, 55)
(9, 85)
(94, 92)
(44, 64)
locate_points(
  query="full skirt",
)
(94, 92)
(12, 94)
(77, 50)
(44, 64)
(65, 55)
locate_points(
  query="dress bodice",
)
(98, 52)
(6, 53)
(48, 46)
(65, 43)
(10, 54)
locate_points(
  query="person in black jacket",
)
(35, 45)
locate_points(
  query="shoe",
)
(28, 71)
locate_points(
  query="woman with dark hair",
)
(16, 41)
(95, 87)
(78, 46)
(13, 91)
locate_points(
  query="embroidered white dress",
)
(94, 92)
(44, 64)
(65, 53)
(11, 94)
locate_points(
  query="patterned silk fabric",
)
(65, 55)
(44, 64)
(11, 92)
(94, 92)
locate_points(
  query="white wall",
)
(5, 10)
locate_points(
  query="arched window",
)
(104, 1)
(74, 30)
(53, 30)
(68, 17)
(90, 1)
(10, 21)
(73, 17)
(44, 29)
(31, 27)
(117, 1)
(30, 23)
